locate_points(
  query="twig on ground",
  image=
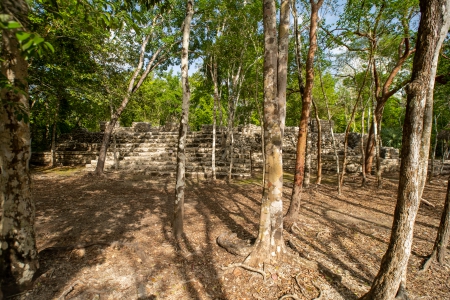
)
(427, 203)
(302, 290)
(248, 268)
(19, 294)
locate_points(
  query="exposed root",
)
(320, 291)
(235, 246)
(68, 290)
(246, 267)
(302, 290)
(427, 262)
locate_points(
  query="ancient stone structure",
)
(152, 150)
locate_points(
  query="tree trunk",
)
(443, 235)
(433, 27)
(216, 101)
(294, 207)
(363, 167)
(54, 142)
(307, 177)
(352, 117)
(376, 137)
(132, 87)
(319, 145)
(18, 253)
(433, 155)
(269, 244)
(181, 155)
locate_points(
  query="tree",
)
(159, 53)
(433, 28)
(18, 253)
(306, 91)
(181, 155)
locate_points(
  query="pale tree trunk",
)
(433, 155)
(216, 102)
(333, 139)
(307, 177)
(132, 88)
(319, 145)
(376, 137)
(294, 206)
(363, 168)
(433, 28)
(269, 244)
(53, 147)
(178, 217)
(18, 253)
(352, 117)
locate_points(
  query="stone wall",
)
(147, 149)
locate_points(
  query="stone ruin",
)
(150, 150)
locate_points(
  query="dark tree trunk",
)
(294, 206)
(443, 235)
(18, 253)
(178, 217)
(433, 28)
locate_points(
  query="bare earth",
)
(110, 238)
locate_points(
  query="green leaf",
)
(22, 36)
(37, 40)
(13, 25)
(27, 45)
(49, 46)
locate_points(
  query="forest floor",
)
(110, 238)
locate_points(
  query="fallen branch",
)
(427, 202)
(245, 267)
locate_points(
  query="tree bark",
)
(433, 155)
(216, 101)
(269, 244)
(178, 217)
(294, 207)
(443, 235)
(433, 27)
(18, 253)
(319, 145)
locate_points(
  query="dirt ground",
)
(110, 238)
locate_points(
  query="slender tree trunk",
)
(216, 101)
(181, 155)
(132, 87)
(433, 155)
(307, 177)
(433, 28)
(333, 139)
(377, 151)
(294, 207)
(18, 253)
(54, 142)
(319, 145)
(352, 117)
(363, 167)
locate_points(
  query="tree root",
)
(246, 267)
(302, 290)
(232, 244)
(68, 290)
(427, 262)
